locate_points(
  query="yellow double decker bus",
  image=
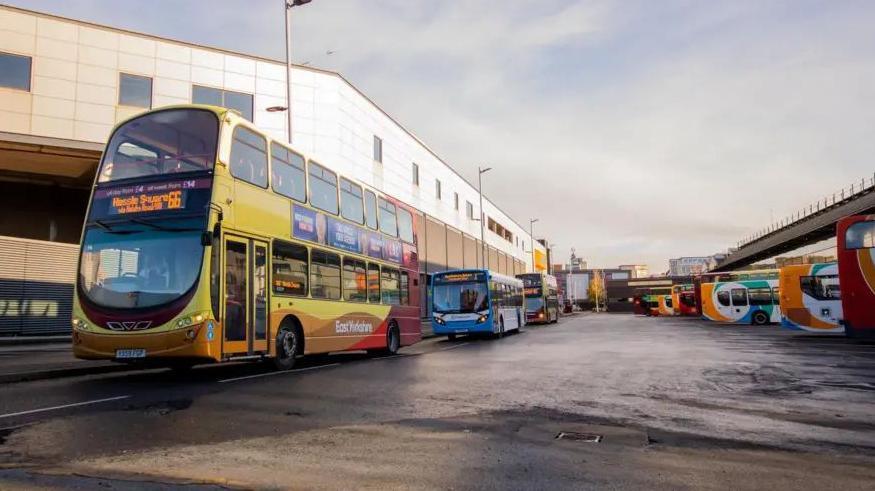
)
(206, 240)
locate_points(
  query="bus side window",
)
(389, 280)
(405, 288)
(739, 297)
(287, 174)
(249, 157)
(388, 222)
(373, 283)
(289, 268)
(355, 287)
(723, 298)
(324, 275)
(323, 188)
(371, 209)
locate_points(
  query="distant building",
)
(690, 265)
(780, 262)
(636, 270)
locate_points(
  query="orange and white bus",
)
(811, 298)
(206, 240)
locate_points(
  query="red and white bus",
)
(855, 237)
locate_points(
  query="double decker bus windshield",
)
(164, 142)
(140, 263)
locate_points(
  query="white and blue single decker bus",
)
(476, 301)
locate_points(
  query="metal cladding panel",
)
(493, 259)
(470, 253)
(502, 263)
(455, 254)
(436, 236)
(36, 286)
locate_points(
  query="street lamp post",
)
(484, 255)
(532, 237)
(287, 5)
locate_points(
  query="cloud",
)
(636, 131)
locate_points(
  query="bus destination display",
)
(460, 277)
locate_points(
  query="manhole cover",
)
(579, 437)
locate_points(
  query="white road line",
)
(268, 374)
(454, 347)
(42, 410)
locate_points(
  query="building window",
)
(415, 174)
(378, 149)
(469, 210)
(437, 189)
(456, 201)
(15, 71)
(134, 90)
(225, 98)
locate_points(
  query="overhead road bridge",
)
(807, 226)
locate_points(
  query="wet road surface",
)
(676, 402)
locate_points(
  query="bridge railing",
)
(863, 186)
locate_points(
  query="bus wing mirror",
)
(207, 239)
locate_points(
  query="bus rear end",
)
(461, 303)
(856, 258)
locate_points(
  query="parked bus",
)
(742, 301)
(855, 237)
(542, 297)
(665, 305)
(646, 300)
(726, 276)
(205, 240)
(476, 301)
(811, 297)
(683, 299)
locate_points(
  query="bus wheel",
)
(500, 328)
(451, 337)
(393, 339)
(286, 348)
(759, 318)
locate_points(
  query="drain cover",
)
(579, 437)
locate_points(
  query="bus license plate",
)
(130, 353)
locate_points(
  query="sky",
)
(635, 131)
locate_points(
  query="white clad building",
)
(64, 84)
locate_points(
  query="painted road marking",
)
(454, 347)
(268, 374)
(53, 408)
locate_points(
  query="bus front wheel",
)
(286, 348)
(451, 337)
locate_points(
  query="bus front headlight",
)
(191, 319)
(481, 319)
(79, 324)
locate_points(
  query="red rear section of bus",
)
(855, 237)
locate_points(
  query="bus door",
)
(245, 309)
